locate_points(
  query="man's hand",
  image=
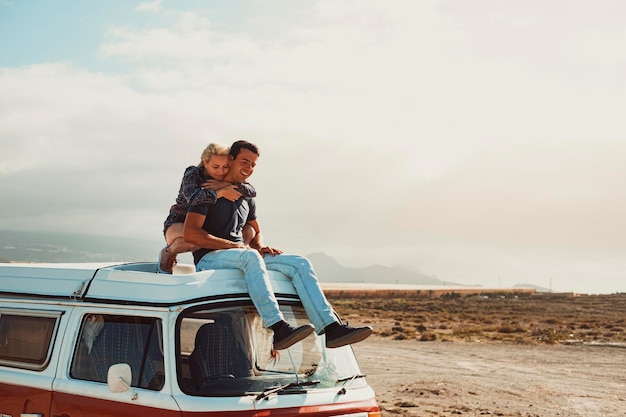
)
(257, 241)
(266, 249)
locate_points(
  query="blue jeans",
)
(254, 268)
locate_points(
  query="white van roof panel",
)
(46, 279)
(129, 283)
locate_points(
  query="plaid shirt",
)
(191, 193)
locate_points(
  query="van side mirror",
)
(119, 378)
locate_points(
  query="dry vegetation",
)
(526, 318)
(541, 355)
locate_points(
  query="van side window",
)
(106, 340)
(26, 338)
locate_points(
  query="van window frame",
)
(43, 314)
(157, 322)
(254, 383)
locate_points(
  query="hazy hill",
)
(68, 247)
(328, 270)
(538, 288)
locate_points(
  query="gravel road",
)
(437, 378)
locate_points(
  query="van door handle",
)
(31, 415)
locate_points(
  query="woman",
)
(201, 184)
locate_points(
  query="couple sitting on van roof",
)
(222, 230)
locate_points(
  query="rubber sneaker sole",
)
(296, 336)
(355, 336)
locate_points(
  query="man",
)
(217, 229)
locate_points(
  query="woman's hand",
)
(229, 192)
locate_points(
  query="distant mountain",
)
(536, 287)
(329, 270)
(70, 247)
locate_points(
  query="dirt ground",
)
(413, 378)
(530, 355)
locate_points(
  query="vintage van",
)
(120, 340)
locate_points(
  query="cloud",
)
(438, 132)
(597, 48)
(548, 196)
(361, 74)
(153, 6)
(75, 141)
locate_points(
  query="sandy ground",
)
(437, 378)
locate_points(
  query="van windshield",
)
(228, 352)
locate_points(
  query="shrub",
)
(428, 337)
(508, 328)
(406, 404)
(550, 336)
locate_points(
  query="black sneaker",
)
(341, 334)
(288, 335)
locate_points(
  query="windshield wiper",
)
(348, 381)
(265, 394)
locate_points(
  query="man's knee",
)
(251, 255)
(302, 262)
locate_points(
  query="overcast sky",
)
(479, 141)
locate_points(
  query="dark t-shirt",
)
(224, 219)
(192, 193)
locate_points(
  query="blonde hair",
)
(213, 149)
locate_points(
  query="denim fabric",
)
(255, 274)
(255, 268)
(301, 272)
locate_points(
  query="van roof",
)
(130, 283)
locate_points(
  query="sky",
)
(481, 141)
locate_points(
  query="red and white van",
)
(120, 340)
